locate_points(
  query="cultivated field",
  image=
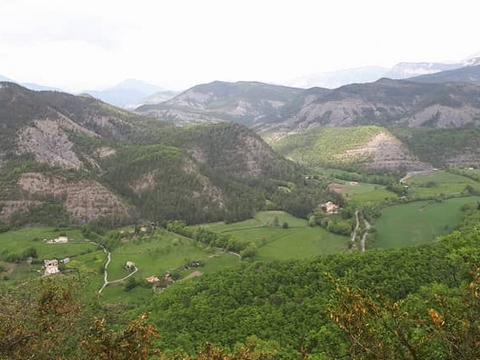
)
(153, 254)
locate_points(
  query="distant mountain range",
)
(420, 101)
(430, 102)
(32, 86)
(132, 93)
(335, 79)
(242, 102)
(127, 94)
(402, 70)
(467, 74)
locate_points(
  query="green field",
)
(15, 242)
(157, 254)
(153, 255)
(418, 222)
(275, 243)
(362, 192)
(439, 182)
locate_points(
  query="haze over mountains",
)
(131, 93)
(128, 94)
(402, 70)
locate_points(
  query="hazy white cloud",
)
(176, 44)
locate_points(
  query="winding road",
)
(105, 272)
(365, 233)
(357, 224)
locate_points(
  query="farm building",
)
(329, 207)
(51, 267)
(58, 240)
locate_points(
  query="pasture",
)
(153, 254)
(418, 222)
(16, 242)
(439, 182)
(298, 241)
(362, 192)
(156, 254)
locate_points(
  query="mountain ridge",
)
(89, 161)
(218, 101)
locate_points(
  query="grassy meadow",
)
(153, 254)
(16, 242)
(362, 192)
(298, 241)
(439, 182)
(418, 222)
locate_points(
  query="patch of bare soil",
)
(145, 182)
(338, 188)
(193, 274)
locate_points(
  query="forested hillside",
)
(417, 302)
(74, 159)
(448, 101)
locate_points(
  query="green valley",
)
(352, 234)
(280, 236)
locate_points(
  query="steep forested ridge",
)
(98, 163)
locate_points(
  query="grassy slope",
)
(418, 222)
(320, 146)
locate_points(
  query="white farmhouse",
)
(59, 240)
(51, 267)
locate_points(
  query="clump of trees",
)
(341, 223)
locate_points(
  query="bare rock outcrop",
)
(10, 207)
(383, 151)
(49, 143)
(84, 200)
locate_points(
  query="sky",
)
(94, 44)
